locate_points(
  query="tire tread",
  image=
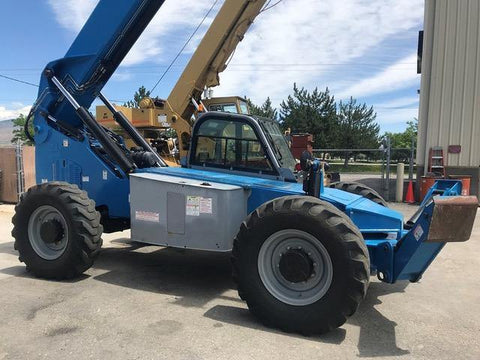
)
(360, 189)
(85, 220)
(352, 241)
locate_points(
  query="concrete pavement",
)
(157, 303)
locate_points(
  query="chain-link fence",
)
(376, 168)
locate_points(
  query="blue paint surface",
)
(61, 158)
(367, 215)
(109, 33)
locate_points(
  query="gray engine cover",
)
(173, 211)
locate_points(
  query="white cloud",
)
(410, 101)
(393, 114)
(334, 35)
(71, 14)
(12, 112)
(316, 32)
(394, 77)
(121, 76)
(163, 37)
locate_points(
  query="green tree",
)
(265, 110)
(137, 97)
(401, 142)
(357, 127)
(310, 112)
(18, 130)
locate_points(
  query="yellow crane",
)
(202, 72)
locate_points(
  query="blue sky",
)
(360, 48)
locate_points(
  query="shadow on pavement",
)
(18, 271)
(377, 333)
(243, 317)
(193, 277)
(7, 248)
(21, 271)
(196, 277)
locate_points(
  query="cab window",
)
(243, 107)
(229, 108)
(230, 144)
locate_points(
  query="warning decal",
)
(147, 216)
(205, 205)
(197, 205)
(193, 205)
(418, 232)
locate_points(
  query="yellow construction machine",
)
(191, 92)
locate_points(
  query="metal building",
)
(449, 115)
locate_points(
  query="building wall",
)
(450, 87)
(9, 172)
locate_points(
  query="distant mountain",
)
(6, 131)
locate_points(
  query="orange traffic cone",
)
(410, 198)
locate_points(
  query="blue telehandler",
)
(302, 253)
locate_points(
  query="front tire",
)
(57, 230)
(301, 265)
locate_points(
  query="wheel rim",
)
(289, 281)
(48, 232)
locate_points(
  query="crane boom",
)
(211, 56)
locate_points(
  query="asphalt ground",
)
(159, 303)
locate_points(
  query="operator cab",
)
(247, 145)
(228, 104)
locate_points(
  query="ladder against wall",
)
(436, 162)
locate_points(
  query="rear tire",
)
(360, 189)
(310, 231)
(57, 230)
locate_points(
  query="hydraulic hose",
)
(26, 125)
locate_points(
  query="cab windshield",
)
(278, 143)
(230, 107)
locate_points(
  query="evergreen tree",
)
(313, 113)
(18, 130)
(356, 127)
(265, 110)
(137, 97)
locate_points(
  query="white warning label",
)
(147, 216)
(205, 205)
(193, 205)
(418, 232)
(197, 205)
